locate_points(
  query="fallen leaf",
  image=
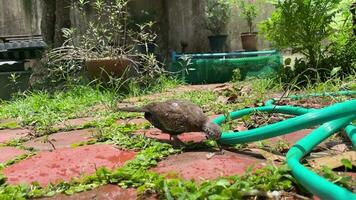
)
(240, 128)
(222, 99)
(232, 98)
(340, 147)
(223, 88)
(333, 161)
(245, 90)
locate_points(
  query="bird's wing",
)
(177, 116)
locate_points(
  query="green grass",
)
(162, 84)
(44, 109)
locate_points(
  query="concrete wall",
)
(238, 25)
(178, 20)
(186, 25)
(19, 17)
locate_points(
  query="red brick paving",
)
(195, 165)
(9, 153)
(164, 137)
(64, 164)
(61, 140)
(7, 135)
(291, 138)
(106, 192)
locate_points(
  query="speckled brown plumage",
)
(177, 116)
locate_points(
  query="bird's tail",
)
(132, 109)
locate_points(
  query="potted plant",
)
(144, 24)
(217, 13)
(146, 38)
(108, 44)
(248, 13)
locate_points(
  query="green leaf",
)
(347, 163)
(223, 182)
(335, 70)
(287, 61)
(166, 191)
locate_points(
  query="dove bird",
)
(176, 117)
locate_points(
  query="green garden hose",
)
(332, 119)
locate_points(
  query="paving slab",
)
(61, 140)
(9, 153)
(164, 137)
(6, 135)
(74, 122)
(196, 166)
(65, 164)
(291, 138)
(107, 192)
(137, 121)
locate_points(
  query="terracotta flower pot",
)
(103, 68)
(249, 41)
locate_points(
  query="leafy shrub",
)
(248, 12)
(107, 35)
(218, 13)
(302, 25)
(341, 60)
(321, 31)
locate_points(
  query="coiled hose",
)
(332, 119)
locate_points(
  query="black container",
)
(217, 42)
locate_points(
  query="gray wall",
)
(178, 20)
(19, 17)
(238, 25)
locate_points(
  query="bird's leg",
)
(212, 154)
(177, 139)
(221, 150)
